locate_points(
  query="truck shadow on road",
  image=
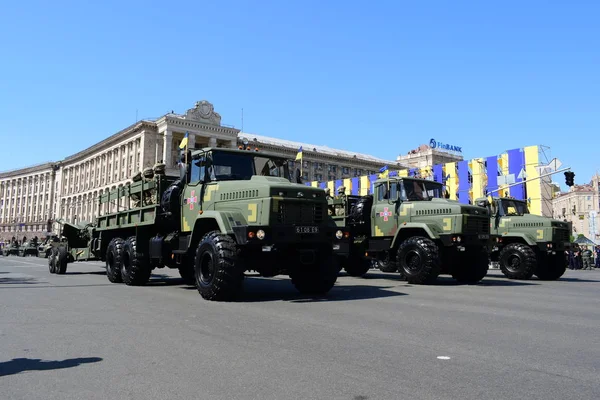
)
(86, 273)
(446, 280)
(563, 279)
(18, 365)
(18, 280)
(281, 289)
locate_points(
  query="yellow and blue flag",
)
(299, 155)
(384, 172)
(184, 142)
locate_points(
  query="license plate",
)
(483, 236)
(307, 229)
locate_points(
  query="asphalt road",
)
(78, 336)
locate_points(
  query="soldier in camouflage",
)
(586, 255)
(340, 210)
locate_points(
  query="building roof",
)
(294, 146)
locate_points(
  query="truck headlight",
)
(260, 234)
(339, 234)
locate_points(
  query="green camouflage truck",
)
(11, 248)
(45, 247)
(407, 226)
(230, 211)
(29, 247)
(527, 244)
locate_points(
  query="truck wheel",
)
(517, 261)
(61, 261)
(187, 274)
(419, 260)
(317, 278)
(472, 266)
(218, 272)
(135, 270)
(386, 265)
(114, 256)
(554, 267)
(355, 265)
(52, 262)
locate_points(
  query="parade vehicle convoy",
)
(407, 226)
(230, 211)
(527, 244)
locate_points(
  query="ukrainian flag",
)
(384, 172)
(299, 155)
(184, 142)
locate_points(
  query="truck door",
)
(382, 214)
(191, 196)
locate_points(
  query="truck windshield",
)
(239, 166)
(418, 190)
(512, 207)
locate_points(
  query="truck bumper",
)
(483, 240)
(283, 235)
(551, 248)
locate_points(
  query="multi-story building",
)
(69, 189)
(426, 156)
(27, 198)
(580, 206)
(322, 163)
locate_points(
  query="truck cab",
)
(527, 244)
(407, 221)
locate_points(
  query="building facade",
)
(27, 199)
(580, 206)
(69, 189)
(425, 157)
(321, 163)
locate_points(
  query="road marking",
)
(443, 358)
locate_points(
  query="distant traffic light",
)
(569, 178)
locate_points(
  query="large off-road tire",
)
(318, 277)
(135, 268)
(114, 259)
(355, 265)
(188, 275)
(471, 266)
(61, 261)
(218, 271)
(551, 267)
(52, 261)
(517, 261)
(386, 265)
(419, 260)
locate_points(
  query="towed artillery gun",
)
(407, 226)
(230, 211)
(527, 244)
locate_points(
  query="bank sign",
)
(443, 146)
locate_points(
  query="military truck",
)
(527, 244)
(12, 248)
(230, 211)
(408, 226)
(29, 247)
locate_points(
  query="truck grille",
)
(561, 235)
(477, 225)
(299, 213)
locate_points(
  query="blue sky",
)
(380, 77)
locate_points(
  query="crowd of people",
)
(583, 257)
